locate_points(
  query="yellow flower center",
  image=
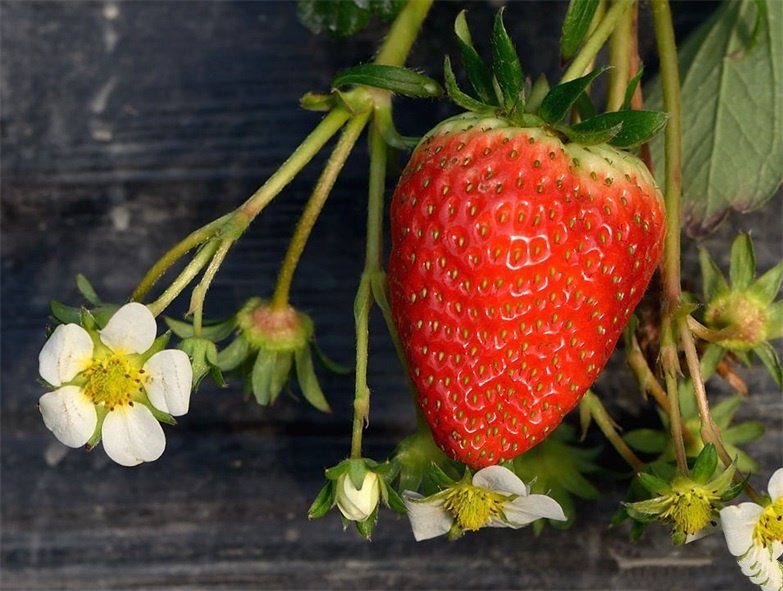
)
(473, 507)
(113, 381)
(769, 527)
(692, 507)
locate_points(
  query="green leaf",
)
(338, 19)
(576, 24)
(743, 262)
(712, 279)
(505, 64)
(562, 97)
(87, 290)
(768, 285)
(479, 75)
(456, 95)
(637, 126)
(396, 79)
(308, 382)
(386, 9)
(705, 464)
(732, 112)
(769, 357)
(646, 440)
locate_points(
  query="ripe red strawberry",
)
(516, 262)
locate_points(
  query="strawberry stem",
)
(199, 292)
(604, 421)
(314, 206)
(596, 40)
(622, 46)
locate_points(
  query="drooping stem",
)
(601, 417)
(596, 40)
(621, 48)
(199, 292)
(305, 152)
(670, 263)
(202, 257)
(313, 208)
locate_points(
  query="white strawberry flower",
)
(495, 497)
(107, 386)
(358, 504)
(754, 534)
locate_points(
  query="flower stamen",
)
(769, 527)
(113, 382)
(473, 507)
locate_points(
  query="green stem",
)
(403, 33)
(174, 254)
(596, 40)
(606, 424)
(199, 292)
(361, 401)
(621, 46)
(305, 152)
(202, 257)
(670, 263)
(313, 208)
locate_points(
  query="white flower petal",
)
(358, 504)
(500, 479)
(759, 566)
(169, 380)
(69, 414)
(738, 522)
(428, 517)
(67, 352)
(775, 486)
(524, 510)
(131, 435)
(132, 329)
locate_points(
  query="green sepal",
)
(88, 320)
(576, 24)
(734, 490)
(402, 81)
(101, 411)
(478, 74)
(637, 126)
(653, 484)
(233, 355)
(357, 472)
(705, 464)
(308, 382)
(87, 290)
(280, 373)
(775, 320)
(456, 95)
(644, 511)
(742, 268)
(157, 346)
(330, 364)
(335, 472)
(203, 359)
(505, 64)
(633, 84)
(559, 100)
(392, 498)
(712, 279)
(646, 440)
(323, 501)
(768, 285)
(769, 357)
(585, 107)
(312, 101)
(537, 93)
(439, 477)
(261, 376)
(588, 135)
(65, 314)
(365, 527)
(216, 330)
(103, 313)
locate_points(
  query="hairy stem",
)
(314, 206)
(199, 292)
(596, 40)
(403, 33)
(621, 49)
(601, 417)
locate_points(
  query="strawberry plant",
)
(531, 232)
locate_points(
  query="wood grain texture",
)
(125, 125)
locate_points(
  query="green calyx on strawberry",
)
(518, 255)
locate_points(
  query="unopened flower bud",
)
(358, 504)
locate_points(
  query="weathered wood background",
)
(126, 124)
